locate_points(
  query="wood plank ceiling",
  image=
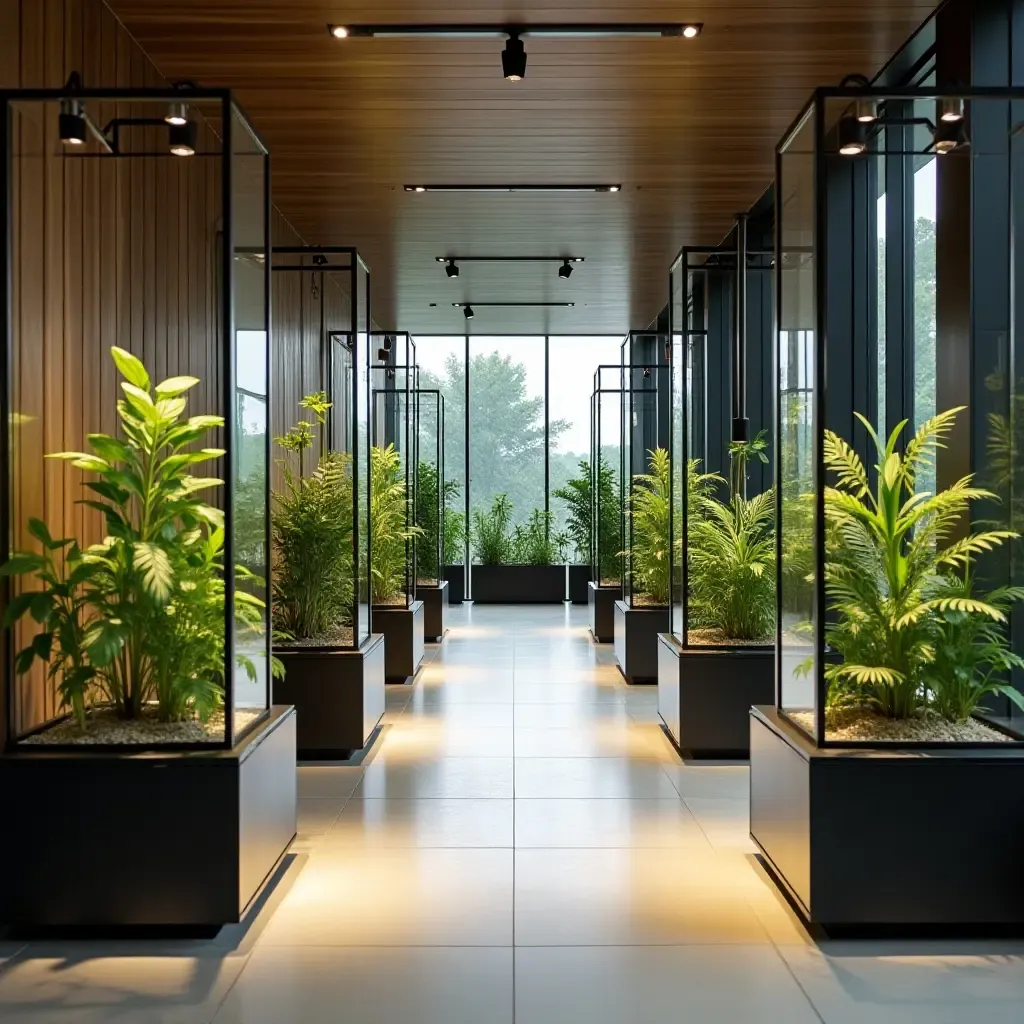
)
(687, 127)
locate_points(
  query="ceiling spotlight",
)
(467, 311)
(319, 259)
(866, 111)
(951, 110)
(177, 113)
(691, 31)
(647, 372)
(183, 139)
(72, 123)
(565, 270)
(852, 136)
(339, 31)
(415, 188)
(382, 355)
(387, 344)
(452, 268)
(948, 136)
(513, 58)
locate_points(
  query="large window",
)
(571, 364)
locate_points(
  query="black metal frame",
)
(596, 462)
(828, 281)
(229, 110)
(438, 403)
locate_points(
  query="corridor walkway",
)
(522, 844)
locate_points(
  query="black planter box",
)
(705, 695)
(889, 842)
(435, 610)
(518, 584)
(455, 577)
(636, 641)
(111, 842)
(579, 582)
(338, 696)
(404, 639)
(601, 602)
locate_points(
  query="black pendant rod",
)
(740, 423)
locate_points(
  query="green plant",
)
(531, 542)
(609, 525)
(491, 532)
(731, 548)
(138, 620)
(390, 532)
(649, 512)
(429, 511)
(905, 622)
(578, 495)
(311, 520)
(454, 534)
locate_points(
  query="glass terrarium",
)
(318, 486)
(606, 479)
(898, 419)
(724, 512)
(394, 459)
(645, 471)
(135, 532)
(432, 488)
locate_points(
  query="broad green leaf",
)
(130, 368)
(199, 483)
(110, 448)
(104, 639)
(40, 531)
(21, 563)
(174, 386)
(18, 606)
(157, 574)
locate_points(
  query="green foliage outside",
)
(578, 495)
(137, 621)
(391, 534)
(905, 618)
(430, 507)
(311, 522)
(731, 551)
(497, 541)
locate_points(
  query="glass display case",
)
(431, 487)
(135, 499)
(898, 702)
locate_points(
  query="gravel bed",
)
(106, 729)
(861, 724)
(342, 636)
(706, 636)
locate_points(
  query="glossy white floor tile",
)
(521, 844)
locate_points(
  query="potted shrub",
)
(432, 586)
(707, 685)
(396, 613)
(454, 545)
(605, 588)
(578, 496)
(515, 565)
(334, 679)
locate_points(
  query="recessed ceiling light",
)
(338, 31)
(691, 31)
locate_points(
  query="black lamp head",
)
(182, 138)
(949, 135)
(387, 344)
(565, 270)
(319, 259)
(382, 355)
(72, 124)
(853, 136)
(452, 269)
(467, 311)
(513, 59)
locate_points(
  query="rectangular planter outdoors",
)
(435, 610)
(705, 695)
(338, 696)
(579, 583)
(455, 577)
(404, 638)
(636, 641)
(518, 584)
(165, 841)
(601, 607)
(889, 842)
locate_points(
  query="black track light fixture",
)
(565, 270)
(451, 269)
(319, 259)
(513, 58)
(467, 311)
(853, 136)
(183, 139)
(948, 135)
(177, 113)
(73, 129)
(950, 110)
(382, 355)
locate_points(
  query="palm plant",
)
(731, 552)
(390, 532)
(578, 495)
(136, 622)
(311, 520)
(491, 532)
(910, 632)
(649, 560)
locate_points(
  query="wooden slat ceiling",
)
(687, 127)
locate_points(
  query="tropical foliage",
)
(429, 511)
(136, 622)
(491, 540)
(454, 530)
(391, 534)
(497, 542)
(648, 557)
(531, 542)
(905, 619)
(578, 495)
(311, 521)
(731, 550)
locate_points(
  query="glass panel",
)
(362, 369)
(925, 256)
(442, 362)
(608, 475)
(430, 487)
(796, 320)
(880, 308)
(506, 448)
(681, 376)
(571, 363)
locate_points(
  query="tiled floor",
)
(522, 844)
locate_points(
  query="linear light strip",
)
(510, 259)
(511, 305)
(513, 188)
(610, 30)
